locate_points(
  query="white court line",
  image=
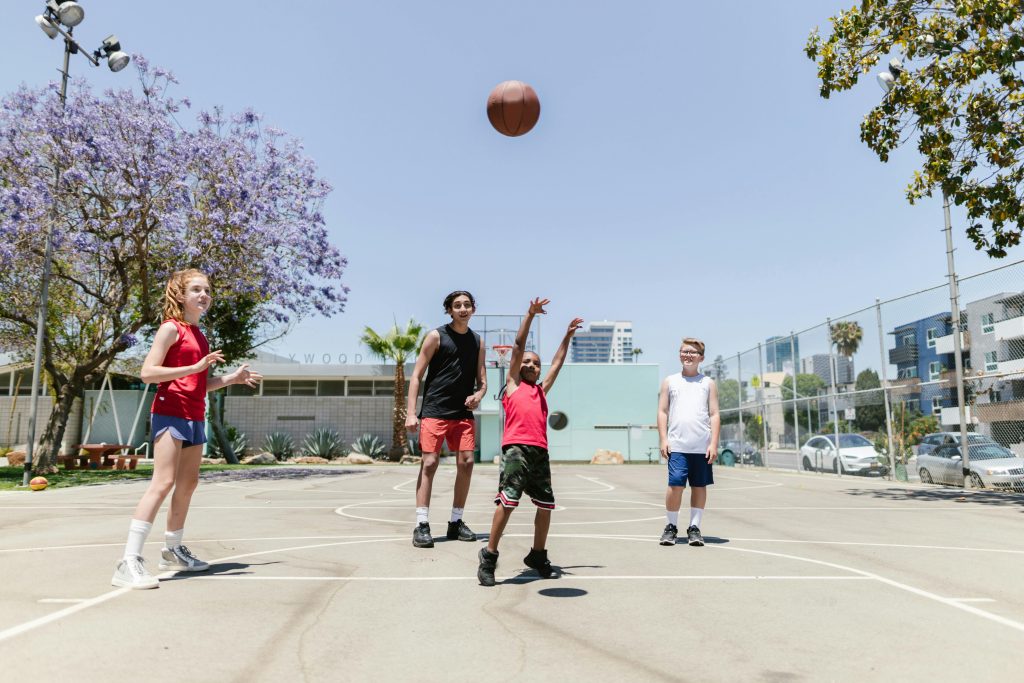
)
(574, 578)
(881, 545)
(341, 511)
(191, 541)
(595, 480)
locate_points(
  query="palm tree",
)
(397, 345)
(636, 355)
(846, 335)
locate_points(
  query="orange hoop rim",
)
(503, 351)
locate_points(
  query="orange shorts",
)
(459, 434)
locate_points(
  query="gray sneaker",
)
(181, 559)
(132, 573)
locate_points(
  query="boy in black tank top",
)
(453, 358)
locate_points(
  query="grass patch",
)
(10, 477)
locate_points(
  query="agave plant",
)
(323, 443)
(280, 444)
(370, 445)
(239, 444)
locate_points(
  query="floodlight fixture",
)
(111, 49)
(47, 26)
(69, 13)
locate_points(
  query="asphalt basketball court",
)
(805, 577)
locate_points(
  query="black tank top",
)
(451, 375)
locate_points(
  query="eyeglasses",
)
(689, 353)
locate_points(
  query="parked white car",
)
(991, 465)
(857, 455)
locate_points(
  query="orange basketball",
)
(513, 108)
(38, 483)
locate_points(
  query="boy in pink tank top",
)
(179, 362)
(525, 466)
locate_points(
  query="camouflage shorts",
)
(525, 469)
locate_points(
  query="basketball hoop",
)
(504, 352)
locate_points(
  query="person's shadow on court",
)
(221, 569)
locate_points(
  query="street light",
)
(70, 14)
(887, 80)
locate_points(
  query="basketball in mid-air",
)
(513, 108)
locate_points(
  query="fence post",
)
(764, 411)
(833, 371)
(796, 413)
(885, 393)
(739, 399)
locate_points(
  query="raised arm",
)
(663, 419)
(427, 351)
(153, 369)
(519, 348)
(559, 359)
(242, 375)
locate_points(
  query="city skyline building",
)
(604, 341)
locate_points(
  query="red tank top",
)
(526, 416)
(186, 396)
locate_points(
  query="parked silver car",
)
(857, 455)
(932, 441)
(991, 465)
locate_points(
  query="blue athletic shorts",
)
(692, 466)
(188, 432)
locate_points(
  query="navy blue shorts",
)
(692, 466)
(188, 432)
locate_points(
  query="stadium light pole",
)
(60, 17)
(887, 81)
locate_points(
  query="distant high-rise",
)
(604, 342)
(818, 365)
(779, 354)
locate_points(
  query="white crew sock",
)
(421, 515)
(138, 531)
(172, 539)
(696, 514)
(673, 517)
(457, 514)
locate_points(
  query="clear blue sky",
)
(684, 174)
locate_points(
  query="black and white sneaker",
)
(458, 531)
(421, 537)
(693, 536)
(668, 536)
(488, 563)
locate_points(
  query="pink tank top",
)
(526, 416)
(184, 397)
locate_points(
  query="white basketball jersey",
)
(689, 422)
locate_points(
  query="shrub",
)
(239, 444)
(323, 443)
(280, 444)
(370, 445)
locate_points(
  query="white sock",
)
(138, 531)
(457, 514)
(695, 516)
(172, 539)
(673, 517)
(421, 515)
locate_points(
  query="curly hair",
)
(174, 294)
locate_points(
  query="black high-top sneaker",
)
(488, 563)
(538, 559)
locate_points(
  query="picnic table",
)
(101, 456)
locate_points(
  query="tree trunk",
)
(216, 415)
(399, 437)
(45, 458)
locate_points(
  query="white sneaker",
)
(132, 573)
(181, 559)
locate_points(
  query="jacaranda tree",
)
(956, 89)
(139, 196)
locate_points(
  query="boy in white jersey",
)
(688, 426)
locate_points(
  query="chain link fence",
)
(881, 382)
